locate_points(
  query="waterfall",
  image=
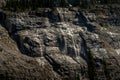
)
(60, 12)
(74, 44)
(63, 33)
(67, 31)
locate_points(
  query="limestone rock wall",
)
(59, 44)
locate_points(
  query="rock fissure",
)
(56, 48)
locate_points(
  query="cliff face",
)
(60, 44)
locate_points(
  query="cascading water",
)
(75, 46)
(62, 36)
(60, 12)
(71, 46)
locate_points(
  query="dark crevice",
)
(55, 65)
(91, 66)
(2, 18)
(61, 42)
(84, 44)
(83, 21)
(89, 59)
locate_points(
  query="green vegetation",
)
(77, 77)
(106, 70)
(91, 66)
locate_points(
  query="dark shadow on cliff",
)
(84, 22)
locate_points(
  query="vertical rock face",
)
(63, 44)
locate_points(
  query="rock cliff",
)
(60, 44)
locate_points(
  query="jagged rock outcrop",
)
(60, 44)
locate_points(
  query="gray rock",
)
(61, 49)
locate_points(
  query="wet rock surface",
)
(68, 46)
